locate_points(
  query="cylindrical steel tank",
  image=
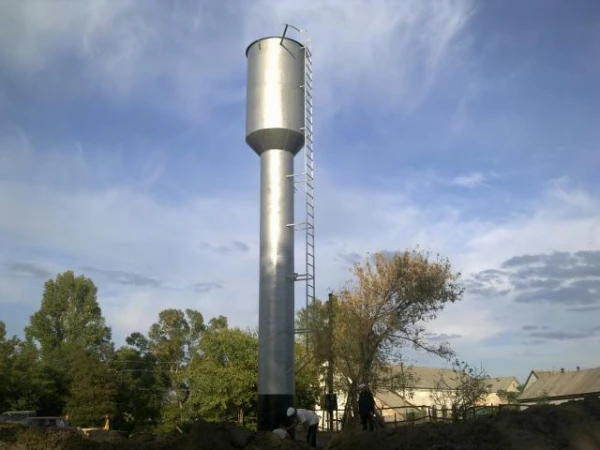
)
(275, 95)
(274, 130)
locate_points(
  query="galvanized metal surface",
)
(274, 129)
(275, 95)
(276, 290)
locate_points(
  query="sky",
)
(465, 127)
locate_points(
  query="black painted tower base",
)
(272, 411)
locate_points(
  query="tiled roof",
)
(559, 384)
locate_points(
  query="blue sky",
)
(468, 128)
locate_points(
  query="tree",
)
(315, 320)
(69, 314)
(8, 351)
(510, 397)
(465, 388)
(383, 309)
(70, 332)
(308, 374)
(37, 385)
(140, 387)
(402, 381)
(223, 379)
(175, 337)
(92, 388)
(173, 341)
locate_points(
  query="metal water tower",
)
(278, 126)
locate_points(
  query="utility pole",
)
(331, 397)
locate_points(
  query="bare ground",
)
(573, 426)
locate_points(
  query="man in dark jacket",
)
(366, 407)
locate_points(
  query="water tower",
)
(278, 126)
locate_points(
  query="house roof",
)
(559, 384)
(496, 384)
(391, 399)
(427, 377)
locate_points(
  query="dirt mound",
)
(17, 437)
(202, 436)
(574, 426)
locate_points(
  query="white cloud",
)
(56, 211)
(181, 57)
(388, 51)
(121, 229)
(469, 180)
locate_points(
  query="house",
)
(560, 386)
(497, 387)
(411, 392)
(407, 393)
(423, 386)
(394, 408)
(415, 387)
(536, 375)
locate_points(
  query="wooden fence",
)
(414, 415)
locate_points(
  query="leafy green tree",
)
(172, 341)
(141, 386)
(69, 314)
(25, 383)
(223, 379)
(92, 388)
(8, 350)
(39, 386)
(218, 323)
(175, 337)
(67, 341)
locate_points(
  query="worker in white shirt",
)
(307, 418)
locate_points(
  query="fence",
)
(414, 415)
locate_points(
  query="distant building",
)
(559, 386)
(496, 387)
(410, 392)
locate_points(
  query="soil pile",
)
(574, 426)
(202, 436)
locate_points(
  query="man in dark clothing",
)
(366, 407)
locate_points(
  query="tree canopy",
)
(180, 369)
(69, 314)
(183, 367)
(382, 309)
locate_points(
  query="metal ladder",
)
(308, 176)
(307, 179)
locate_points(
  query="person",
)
(282, 432)
(307, 418)
(366, 407)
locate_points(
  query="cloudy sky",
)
(468, 128)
